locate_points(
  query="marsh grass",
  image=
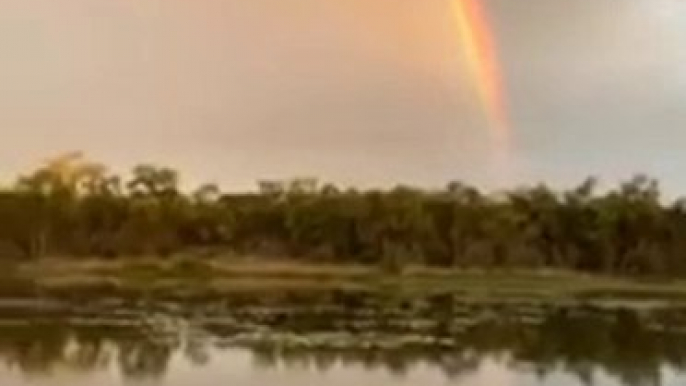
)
(192, 277)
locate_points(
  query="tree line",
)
(74, 208)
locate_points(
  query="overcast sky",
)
(361, 92)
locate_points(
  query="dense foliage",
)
(73, 208)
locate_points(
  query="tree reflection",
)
(631, 346)
(143, 360)
(39, 349)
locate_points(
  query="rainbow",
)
(484, 65)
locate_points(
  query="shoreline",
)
(194, 279)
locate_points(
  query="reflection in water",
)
(595, 346)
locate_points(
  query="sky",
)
(358, 92)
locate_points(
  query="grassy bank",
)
(195, 279)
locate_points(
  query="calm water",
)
(511, 346)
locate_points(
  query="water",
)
(473, 345)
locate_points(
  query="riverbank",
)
(194, 279)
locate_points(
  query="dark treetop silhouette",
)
(74, 208)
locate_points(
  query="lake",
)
(465, 344)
